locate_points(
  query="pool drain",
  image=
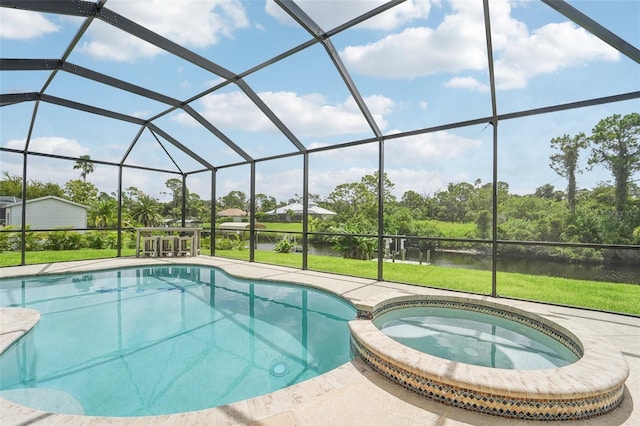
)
(279, 370)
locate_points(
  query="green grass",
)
(451, 229)
(11, 258)
(607, 296)
(614, 297)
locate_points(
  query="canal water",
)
(625, 273)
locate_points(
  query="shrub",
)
(63, 240)
(284, 246)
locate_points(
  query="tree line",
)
(608, 213)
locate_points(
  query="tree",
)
(265, 203)
(85, 165)
(11, 186)
(147, 211)
(455, 202)
(195, 206)
(234, 200)
(414, 202)
(175, 186)
(104, 212)
(614, 143)
(80, 192)
(359, 199)
(565, 162)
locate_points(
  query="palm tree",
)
(104, 212)
(146, 211)
(86, 166)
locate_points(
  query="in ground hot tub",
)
(526, 366)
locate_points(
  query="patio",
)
(351, 394)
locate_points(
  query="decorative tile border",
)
(500, 405)
(586, 390)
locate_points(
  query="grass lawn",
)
(12, 258)
(614, 297)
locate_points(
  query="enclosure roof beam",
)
(210, 127)
(270, 114)
(91, 109)
(51, 64)
(181, 147)
(594, 28)
(16, 98)
(314, 29)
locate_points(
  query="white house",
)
(48, 213)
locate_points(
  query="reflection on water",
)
(474, 338)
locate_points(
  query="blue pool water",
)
(158, 340)
(474, 338)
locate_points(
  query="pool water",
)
(159, 340)
(474, 338)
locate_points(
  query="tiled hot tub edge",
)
(507, 394)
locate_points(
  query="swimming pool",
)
(591, 385)
(157, 340)
(473, 337)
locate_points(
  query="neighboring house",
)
(294, 212)
(4, 200)
(48, 213)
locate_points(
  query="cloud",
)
(282, 185)
(191, 23)
(466, 83)
(421, 181)
(418, 149)
(457, 45)
(330, 14)
(429, 147)
(305, 115)
(547, 50)
(141, 114)
(24, 25)
(418, 51)
(51, 145)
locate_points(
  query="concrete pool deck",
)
(352, 394)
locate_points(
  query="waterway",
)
(620, 273)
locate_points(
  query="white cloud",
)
(108, 43)
(417, 51)
(330, 14)
(192, 23)
(280, 185)
(51, 145)
(141, 114)
(323, 182)
(429, 147)
(458, 45)
(426, 148)
(305, 115)
(420, 180)
(24, 25)
(547, 50)
(466, 83)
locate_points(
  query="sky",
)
(418, 65)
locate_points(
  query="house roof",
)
(297, 208)
(239, 226)
(232, 213)
(48, 197)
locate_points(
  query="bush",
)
(63, 240)
(284, 246)
(228, 244)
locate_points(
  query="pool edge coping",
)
(595, 380)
